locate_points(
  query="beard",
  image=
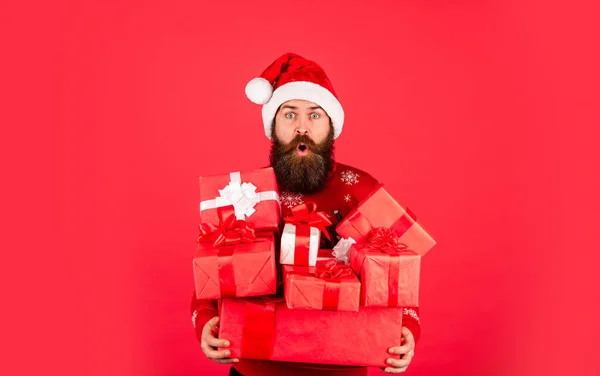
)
(302, 173)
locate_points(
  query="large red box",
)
(253, 194)
(328, 286)
(380, 209)
(245, 269)
(265, 328)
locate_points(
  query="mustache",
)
(287, 149)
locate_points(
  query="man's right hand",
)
(210, 343)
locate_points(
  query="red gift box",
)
(301, 235)
(380, 209)
(265, 328)
(387, 269)
(328, 286)
(233, 261)
(253, 195)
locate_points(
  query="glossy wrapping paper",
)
(253, 194)
(329, 286)
(302, 235)
(380, 209)
(299, 248)
(389, 276)
(245, 269)
(265, 328)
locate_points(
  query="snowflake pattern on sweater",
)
(349, 177)
(289, 199)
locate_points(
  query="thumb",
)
(407, 335)
(212, 326)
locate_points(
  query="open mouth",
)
(302, 149)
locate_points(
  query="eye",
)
(314, 116)
(290, 115)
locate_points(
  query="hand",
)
(407, 351)
(210, 343)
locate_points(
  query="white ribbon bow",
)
(242, 196)
(341, 251)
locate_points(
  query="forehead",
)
(300, 104)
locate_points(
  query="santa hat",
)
(294, 77)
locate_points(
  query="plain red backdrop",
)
(476, 114)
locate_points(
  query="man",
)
(302, 116)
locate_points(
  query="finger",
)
(407, 336)
(216, 354)
(211, 327)
(408, 356)
(404, 349)
(227, 361)
(396, 370)
(216, 342)
(398, 363)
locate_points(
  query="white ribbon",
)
(341, 251)
(242, 196)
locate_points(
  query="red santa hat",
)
(294, 77)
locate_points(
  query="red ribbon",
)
(330, 269)
(305, 216)
(387, 241)
(230, 231)
(332, 273)
(401, 225)
(258, 331)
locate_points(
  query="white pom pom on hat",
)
(294, 77)
(259, 90)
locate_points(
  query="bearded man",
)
(302, 116)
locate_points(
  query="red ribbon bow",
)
(384, 240)
(230, 230)
(307, 214)
(332, 273)
(330, 269)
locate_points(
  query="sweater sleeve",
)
(411, 320)
(202, 311)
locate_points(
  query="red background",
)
(476, 114)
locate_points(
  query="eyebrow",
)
(295, 108)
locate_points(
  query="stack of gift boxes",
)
(340, 306)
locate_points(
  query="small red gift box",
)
(328, 286)
(380, 209)
(388, 270)
(301, 235)
(253, 195)
(233, 261)
(265, 328)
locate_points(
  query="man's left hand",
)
(406, 352)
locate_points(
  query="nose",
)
(302, 127)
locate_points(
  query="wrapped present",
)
(232, 260)
(265, 328)
(302, 235)
(388, 270)
(380, 209)
(253, 195)
(328, 286)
